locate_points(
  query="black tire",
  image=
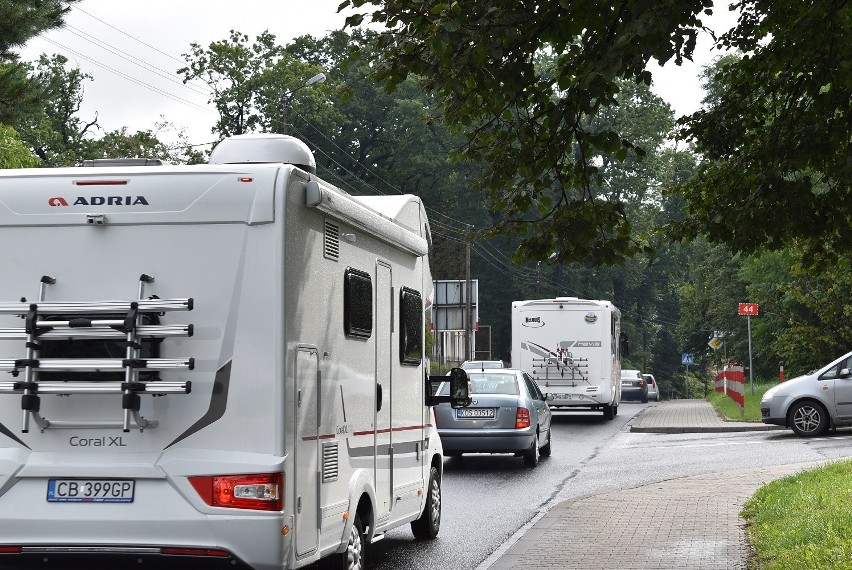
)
(608, 412)
(429, 523)
(807, 418)
(531, 455)
(546, 449)
(645, 399)
(355, 555)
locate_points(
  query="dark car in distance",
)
(633, 386)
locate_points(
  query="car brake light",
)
(10, 549)
(522, 418)
(258, 491)
(641, 383)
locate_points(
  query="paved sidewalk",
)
(689, 416)
(686, 523)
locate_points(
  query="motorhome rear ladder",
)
(122, 321)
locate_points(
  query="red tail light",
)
(257, 491)
(10, 549)
(641, 383)
(522, 418)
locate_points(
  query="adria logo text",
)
(100, 201)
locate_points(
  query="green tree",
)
(804, 317)
(533, 127)
(533, 130)
(21, 20)
(776, 133)
(13, 152)
(146, 144)
(249, 81)
(56, 133)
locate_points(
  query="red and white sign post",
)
(749, 310)
(731, 382)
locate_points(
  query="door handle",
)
(378, 397)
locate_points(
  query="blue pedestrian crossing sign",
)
(687, 359)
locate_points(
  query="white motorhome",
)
(573, 348)
(216, 365)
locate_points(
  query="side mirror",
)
(549, 397)
(459, 388)
(457, 393)
(625, 344)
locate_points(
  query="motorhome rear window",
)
(97, 348)
(410, 327)
(357, 303)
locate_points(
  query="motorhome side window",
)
(410, 327)
(357, 304)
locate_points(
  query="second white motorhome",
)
(572, 347)
(215, 366)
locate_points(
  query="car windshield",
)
(494, 384)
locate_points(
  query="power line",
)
(129, 77)
(134, 60)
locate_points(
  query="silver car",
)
(811, 404)
(508, 414)
(653, 389)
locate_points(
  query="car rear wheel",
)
(608, 412)
(531, 455)
(808, 418)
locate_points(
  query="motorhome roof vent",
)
(257, 147)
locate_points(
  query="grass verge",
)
(803, 521)
(730, 410)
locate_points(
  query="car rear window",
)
(494, 384)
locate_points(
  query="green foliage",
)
(535, 126)
(803, 521)
(252, 84)
(146, 144)
(55, 132)
(21, 20)
(13, 152)
(806, 315)
(776, 134)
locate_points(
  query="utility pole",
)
(468, 318)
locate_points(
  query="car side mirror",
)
(549, 397)
(459, 393)
(624, 344)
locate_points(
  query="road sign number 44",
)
(749, 309)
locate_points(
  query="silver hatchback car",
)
(508, 414)
(812, 403)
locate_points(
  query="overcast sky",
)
(133, 55)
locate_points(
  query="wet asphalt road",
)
(486, 498)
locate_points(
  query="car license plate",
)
(562, 396)
(474, 413)
(90, 490)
